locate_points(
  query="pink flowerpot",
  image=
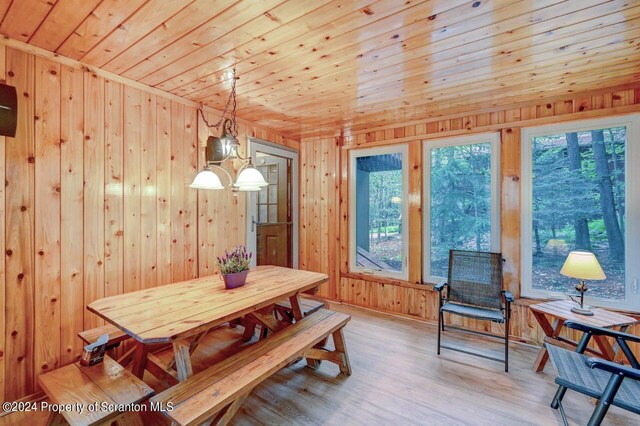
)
(235, 280)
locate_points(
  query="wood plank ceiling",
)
(314, 67)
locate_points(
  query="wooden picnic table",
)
(182, 313)
(560, 310)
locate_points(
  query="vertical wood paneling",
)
(190, 210)
(412, 298)
(3, 300)
(94, 124)
(414, 163)
(148, 217)
(95, 203)
(19, 227)
(133, 116)
(178, 158)
(163, 189)
(47, 216)
(71, 220)
(510, 208)
(114, 190)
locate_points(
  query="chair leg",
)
(557, 399)
(605, 401)
(506, 345)
(442, 320)
(440, 328)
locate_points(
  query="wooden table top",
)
(177, 311)
(601, 317)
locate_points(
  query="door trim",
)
(254, 145)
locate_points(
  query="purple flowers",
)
(235, 261)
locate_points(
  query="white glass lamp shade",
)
(250, 177)
(249, 189)
(582, 265)
(206, 179)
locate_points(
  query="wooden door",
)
(274, 224)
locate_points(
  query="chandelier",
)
(226, 147)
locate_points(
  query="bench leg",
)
(341, 347)
(339, 356)
(226, 414)
(125, 359)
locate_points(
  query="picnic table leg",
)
(195, 341)
(139, 359)
(183, 360)
(551, 332)
(295, 307)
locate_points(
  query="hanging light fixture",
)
(225, 147)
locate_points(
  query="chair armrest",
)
(508, 296)
(598, 331)
(613, 368)
(440, 287)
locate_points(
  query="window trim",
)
(353, 155)
(494, 139)
(632, 203)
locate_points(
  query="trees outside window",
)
(378, 219)
(575, 197)
(461, 210)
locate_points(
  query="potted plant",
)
(234, 266)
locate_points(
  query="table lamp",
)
(584, 266)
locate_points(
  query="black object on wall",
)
(8, 110)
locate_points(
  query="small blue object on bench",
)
(610, 383)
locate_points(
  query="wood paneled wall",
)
(96, 203)
(321, 191)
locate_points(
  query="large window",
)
(378, 212)
(461, 199)
(577, 195)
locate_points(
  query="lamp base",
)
(582, 311)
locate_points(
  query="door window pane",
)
(379, 200)
(578, 197)
(460, 202)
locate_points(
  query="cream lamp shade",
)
(250, 177)
(582, 265)
(206, 179)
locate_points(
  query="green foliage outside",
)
(579, 203)
(460, 202)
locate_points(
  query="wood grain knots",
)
(324, 242)
(107, 382)
(207, 392)
(177, 311)
(87, 192)
(362, 65)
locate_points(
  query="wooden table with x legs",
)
(560, 310)
(180, 314)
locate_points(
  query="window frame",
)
(428, 145)
(632, 206)
(354, 154)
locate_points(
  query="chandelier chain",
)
(230, 101)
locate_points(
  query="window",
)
(378, 213)
(577, 196)
(461, 188)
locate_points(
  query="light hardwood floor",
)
(399, 380)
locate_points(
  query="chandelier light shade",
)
(206, 179)
(250, 177)
(225, 147)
